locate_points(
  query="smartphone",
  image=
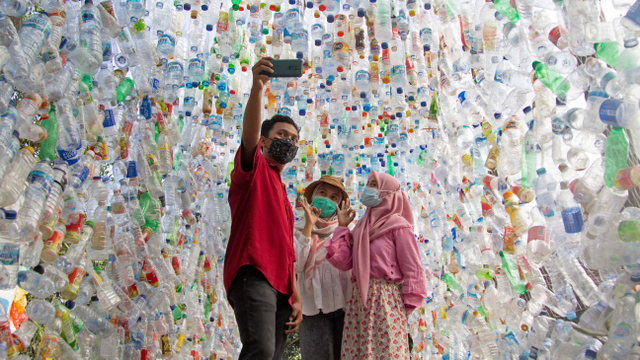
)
(285, 68)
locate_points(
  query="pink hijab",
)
(394, 212)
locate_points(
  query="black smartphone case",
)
(285, 68)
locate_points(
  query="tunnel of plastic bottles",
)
(510, 125)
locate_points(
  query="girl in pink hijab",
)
(383, 253)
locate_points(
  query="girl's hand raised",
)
(345, 214)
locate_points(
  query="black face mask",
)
(282, 150)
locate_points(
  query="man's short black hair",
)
(267, 125)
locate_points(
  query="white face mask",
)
(369, 197)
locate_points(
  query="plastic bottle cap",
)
(541, 171)
(330, 19)
(590, 354)
(70, 304)
(399, 90)
(384, 45)
(426, 47)
(497, 115)
(361, 13)
(39, 269)
(529, 286)
(10, 214)
(187, 7)
(309, 4)
(527, 110)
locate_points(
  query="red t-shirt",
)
(261, 224)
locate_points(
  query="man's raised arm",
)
(252, 114)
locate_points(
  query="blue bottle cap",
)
(300, 55)
(426, 47)
(361, 13)
(541, 171)
(187, 7)
(590, 354)
(10, 214)
(187, 113)
(384, 45)
(527, 110)
(70, 304)
(209, 27)
(330, 19)
(363, 95)
(318, 42)
(399, 90)
(16, 133)
(309, 4)
(302, 112)
(225, 59)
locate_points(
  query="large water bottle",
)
(90, 34)
(37, 284)
(10, 234)
(510, 159)
(13, 183)
(40, 181)
(32, 34)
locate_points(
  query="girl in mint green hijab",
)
(324, 290)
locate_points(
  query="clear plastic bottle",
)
(40, 180)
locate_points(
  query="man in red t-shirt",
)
(258, 265)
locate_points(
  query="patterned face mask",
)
(282, 150)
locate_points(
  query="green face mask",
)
(326, 206)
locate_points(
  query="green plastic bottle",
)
(608, 52)
(504, 8)
(48, 147)
(616, 153)
(551, 79)
(124, 89)
(452, 283)
(510, 267)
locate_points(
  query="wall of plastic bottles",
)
(510, 125)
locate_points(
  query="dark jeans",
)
(321, 336)
(261, 313)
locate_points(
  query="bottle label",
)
(68, 156)
(165, 344)
(538, 233)
(166, 44)
(398, 70)
(9, 254)
(622, 331)
(54, 242)
(196, 66)
(50, 56)
(38, 23)
(175, 70)
(223, 22)
(608, 110)
(572, 219)
(109, 119)
(75, 279)
(38, 177)
(91, 18)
